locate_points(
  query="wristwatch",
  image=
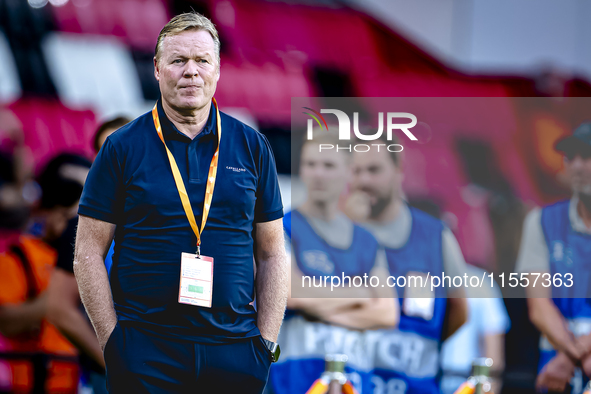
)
(273, 348)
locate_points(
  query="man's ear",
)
(156, 70)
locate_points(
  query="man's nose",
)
(319, 172)
(362, 178)
(191, 69)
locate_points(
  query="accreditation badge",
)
(419, 299)
(196, 284)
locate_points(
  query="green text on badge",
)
(196, 289)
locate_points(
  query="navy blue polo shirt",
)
(131, 185)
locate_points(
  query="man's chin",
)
(319, 196)
(378, 206)
(191, 104)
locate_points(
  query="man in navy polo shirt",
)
(177, 188)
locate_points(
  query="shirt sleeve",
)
(268, 204)
(453, 259)
(381, 260)
(533, 251)
(102, 195)
(495, 320)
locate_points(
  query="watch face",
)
(273, 349)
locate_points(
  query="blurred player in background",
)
(557, 239)
(323, 241)
(415, 244)
(34, 356)
(61, 182)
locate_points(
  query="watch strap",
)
(273, 349)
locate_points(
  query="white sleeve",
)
(453, 259)
(496, 319)
(533, 251)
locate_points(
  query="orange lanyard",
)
(180, 185)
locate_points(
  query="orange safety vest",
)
(42, 360)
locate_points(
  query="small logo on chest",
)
(235, 169)
(318, 260)
(558, 252)
(562, 253)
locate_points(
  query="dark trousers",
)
(139, 362)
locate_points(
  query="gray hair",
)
(184, 22)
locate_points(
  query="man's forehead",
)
(312, 152)
(191, 41)
(372, 158)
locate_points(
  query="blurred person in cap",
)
(61, 182)
(33, 354)
(324, 241)
(106, 129)
(151, 187)
(415, 244)
(557, 239)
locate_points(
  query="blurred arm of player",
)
(93, 240)
(381, 311)
(354, 307)
(320, 301)
(543, 313)
(21, 318)
(17, 318)
(63, 301)
(272, 273)
(454, 265)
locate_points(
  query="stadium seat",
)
(51, 128)
(266, 90)
(136, 22)
(94, 72)
(316, 31)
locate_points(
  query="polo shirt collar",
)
(169, 130)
